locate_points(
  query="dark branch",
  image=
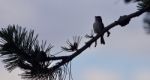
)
(66, 59)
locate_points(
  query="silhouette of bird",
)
(98, 27)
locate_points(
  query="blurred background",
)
(125, 55)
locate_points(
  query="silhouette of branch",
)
(122, 21)
(23, 50)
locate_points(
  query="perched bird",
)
(98, 27)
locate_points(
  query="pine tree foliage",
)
(143, 4)
(20, 48)
(127, 1)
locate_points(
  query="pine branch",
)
(123, 19)
(32, 57)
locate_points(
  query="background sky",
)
(125, 55)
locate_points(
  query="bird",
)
(98, 27)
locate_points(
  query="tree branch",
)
(66, 59)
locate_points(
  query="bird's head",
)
(98, 18)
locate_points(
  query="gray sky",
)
(125, 55)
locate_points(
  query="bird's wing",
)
(96, 27)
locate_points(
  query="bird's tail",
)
(95, 43)
(102, 40)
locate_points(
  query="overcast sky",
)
(125, 55)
